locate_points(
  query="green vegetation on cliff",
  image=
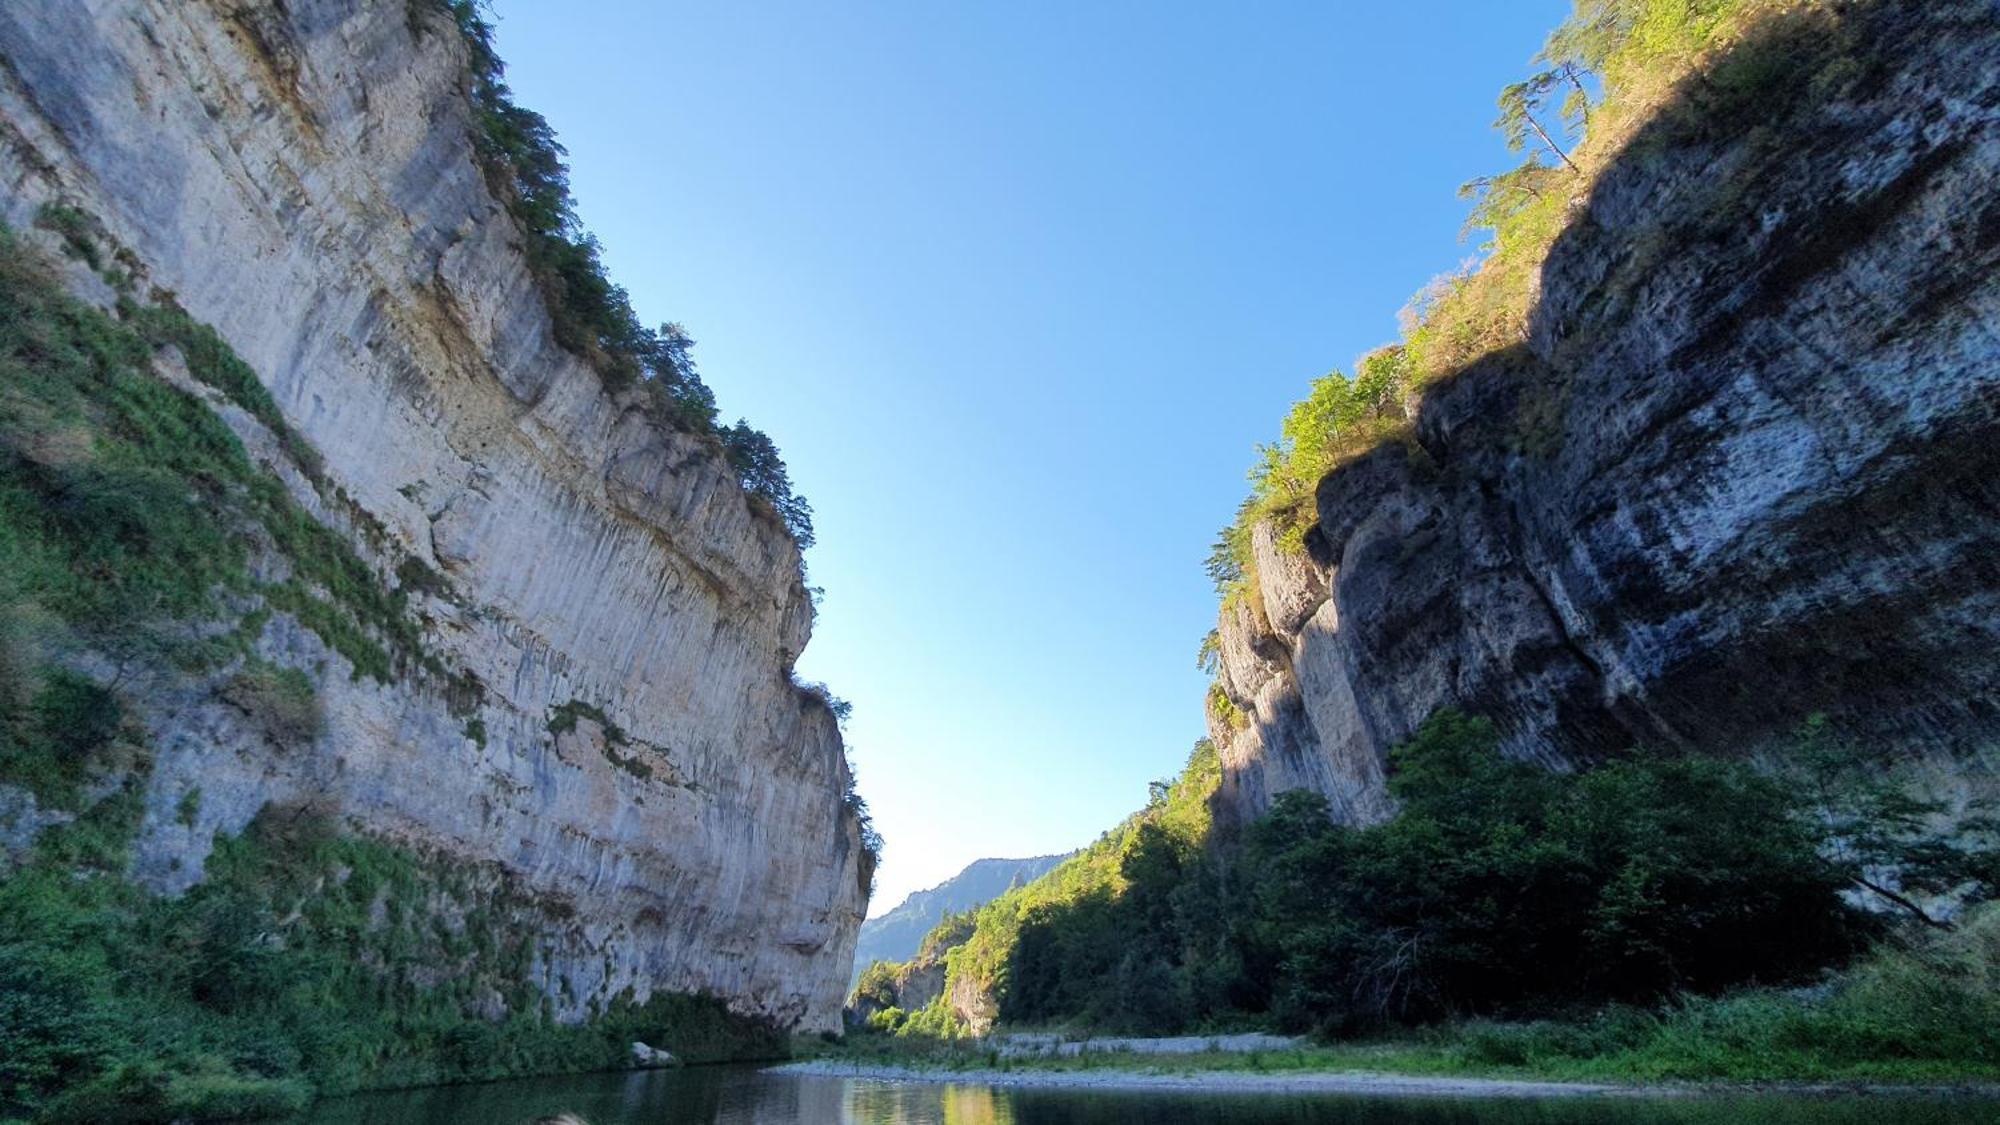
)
(1698, 68)
(308, 960)
(1683, 914)
(131, 515)
(136, 537)
(593, 315)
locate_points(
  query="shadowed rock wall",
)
(1745, 467)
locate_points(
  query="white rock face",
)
(1742, 470)
(301, 177)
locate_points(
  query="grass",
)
(1442, 1057)
(127, 508)
(210, 359)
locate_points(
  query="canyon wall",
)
(1744, 467)
(606, 717)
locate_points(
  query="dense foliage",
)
(982, 954)
(1925, 1009)
(1501, 889)
(307, 961)
(592, 315)
(1502, 886)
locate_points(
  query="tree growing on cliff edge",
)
(591, 314)
(1886, 837)
(755, 459)
(1524, 108)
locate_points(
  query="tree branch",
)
(1549, 141)
(1905, 903)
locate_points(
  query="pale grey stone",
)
(308, 186)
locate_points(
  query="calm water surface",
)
(745, 1096)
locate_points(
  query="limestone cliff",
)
(1742, 467)
(604, 715)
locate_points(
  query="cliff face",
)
(608, 720)
(1742, 469)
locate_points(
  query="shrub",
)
(77, 229)
(52, 746)
(281, 700)
(145, 1092)
(188, 809)
(890, 1020)
(563, 718)
(856, 807)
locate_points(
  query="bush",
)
(52, 746)
(282, 701)
(889, 1020)
(141, 1092)
(292, 968)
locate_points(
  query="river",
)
(747, 1096)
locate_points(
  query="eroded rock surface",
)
(302, 177)
(1746, 466)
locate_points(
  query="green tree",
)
(1883, 836)
(1523, 105)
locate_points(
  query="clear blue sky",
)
(1016, 288)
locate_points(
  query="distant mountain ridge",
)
(895, 936)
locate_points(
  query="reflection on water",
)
(745, 1096)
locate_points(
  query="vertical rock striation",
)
(302, 177)
(1742, 469)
